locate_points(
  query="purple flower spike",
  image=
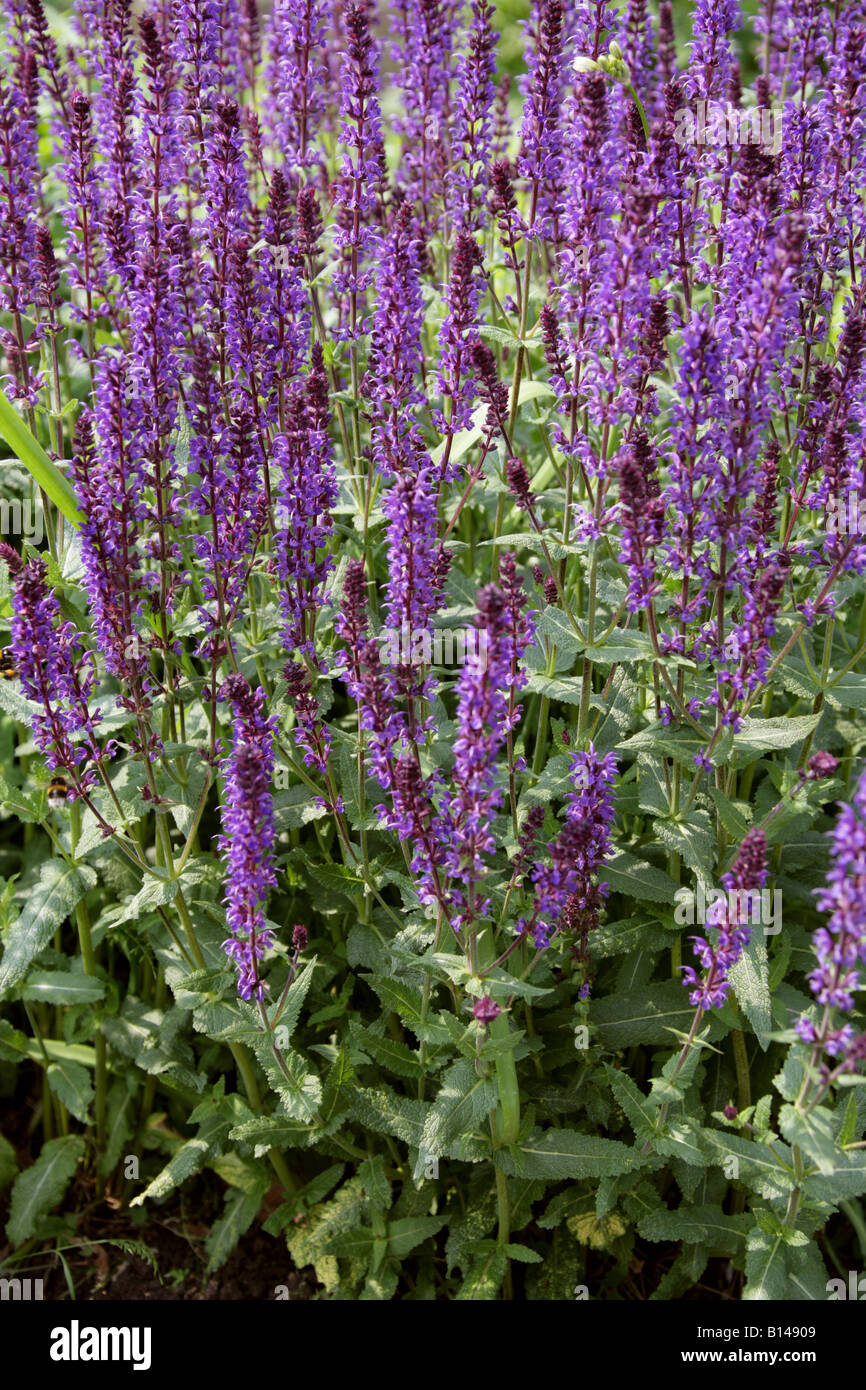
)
(747, 876)
(57, 673)
(247, 841)
(566, 894)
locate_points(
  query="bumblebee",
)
(8, 669)
(57, 792)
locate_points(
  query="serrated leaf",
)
(272, 1132)
(240, 1212)
(63, 987)
(766, 1267)
(298, 990)
(694, 840)
(407, 1002)
(561, 1272)
(37, 1190)
(759, 736)
(381, 1110)
(646, 1015)
(847, 1179)
(813, 1133)
(465, 1100)
(120, 1123)
(58, 892)
(637, 879)
(756, 1164)
(409, 1232)
(189, 1159)
(750, 979)
(564, 1153)
(70, 1082)
(389, 1053)
(704, 1225)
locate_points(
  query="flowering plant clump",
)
(433, 549)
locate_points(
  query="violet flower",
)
(108, 475)
(306, 493)
(577, 854)
(476, 89)
(540, 133)
(57, 672)
(841, 945)
(747, 876)
(247, 839)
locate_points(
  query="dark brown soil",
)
(260, 1267)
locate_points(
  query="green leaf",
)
(30, 452)
(807, 1275)
(290, 1013)
(240, 1212)
(681, 744)
(556, 625)
(63, 987)
(750, 979)
(38, 1189)
(388, 1052)
(13, 799)
(57, 893)
(560, 1274)
(756, 1164)
(385, 1112)
(406, 1002)
(272, 1132)
(151, 1038)
(299, 1088)
(642, 1115)
(155, 893)
(189, 1159)
(310, 1243)
(70, 1082)
(410, 1231)
(732, 814)
(120, 1122)
(683, 1274)
(637, 879)
(759, 736)
(766, 1267)
(813, 1133)
(375, 1181)
(847, 1179)
(848, 1132)
(694, 840)
(484, 1280)
(563, 1153)
(8, 1162)
(646, 1015)
(622, 647)
(847, 692)
(338, 1083)
(463, 1103)
(523, 1253)
(704, 1225)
